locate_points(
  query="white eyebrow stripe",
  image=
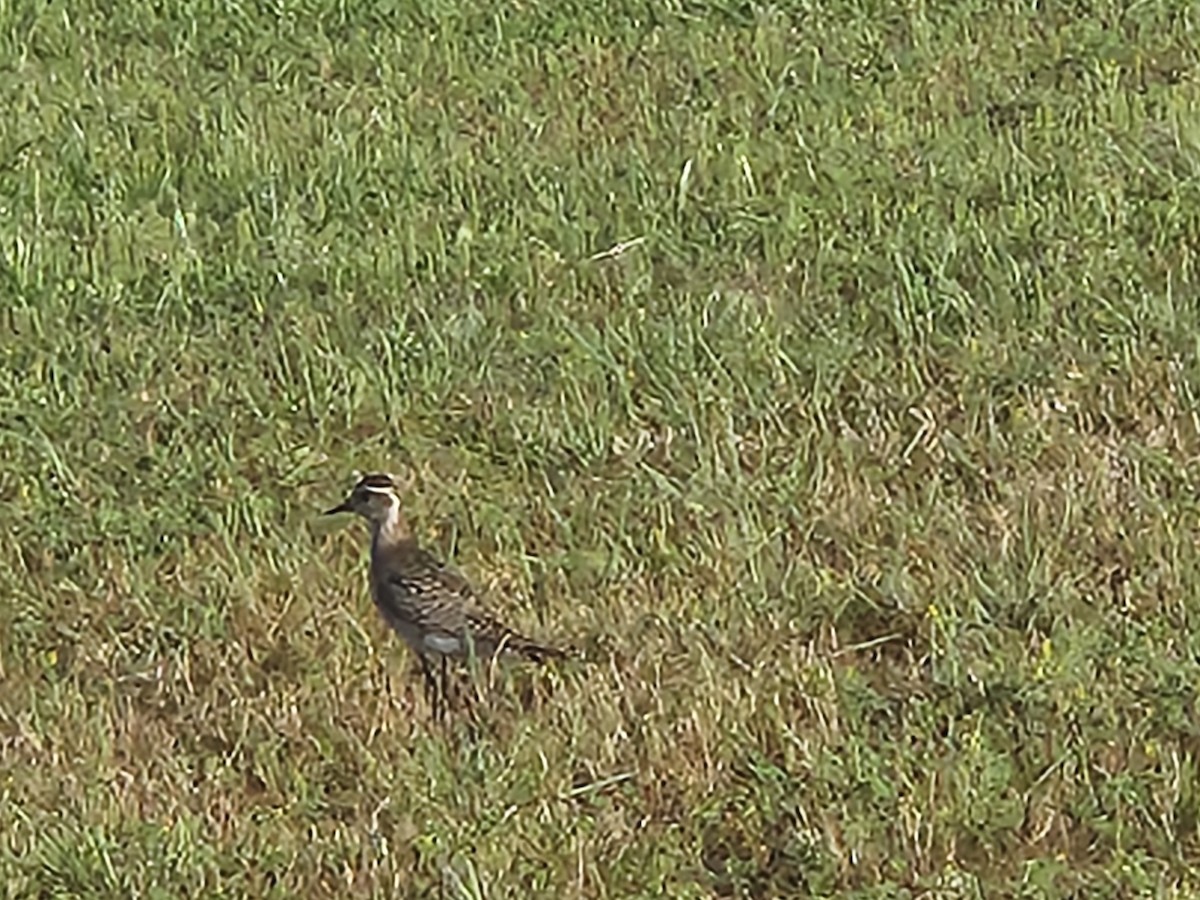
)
(378, 490)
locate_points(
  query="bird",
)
(431, 606)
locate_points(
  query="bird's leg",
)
(474, 672)
(447, 686)
(431, 686)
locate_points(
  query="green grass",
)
(866, 477)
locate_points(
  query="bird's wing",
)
(434, 595)
(492, 636)
(441, 601)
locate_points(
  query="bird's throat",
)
(392, 530)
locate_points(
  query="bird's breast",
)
(445, 644)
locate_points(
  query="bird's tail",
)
(531, 650)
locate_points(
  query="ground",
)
(826, 375)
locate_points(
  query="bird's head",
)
(376, 498)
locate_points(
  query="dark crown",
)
(379, 481)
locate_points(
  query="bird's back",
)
(414, 592)
(432, 607)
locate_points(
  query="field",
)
(827, 375)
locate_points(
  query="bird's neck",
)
(391, 531)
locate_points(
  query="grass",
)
(865, 475)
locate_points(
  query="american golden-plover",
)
(429, 605)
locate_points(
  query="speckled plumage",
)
(432, 607)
